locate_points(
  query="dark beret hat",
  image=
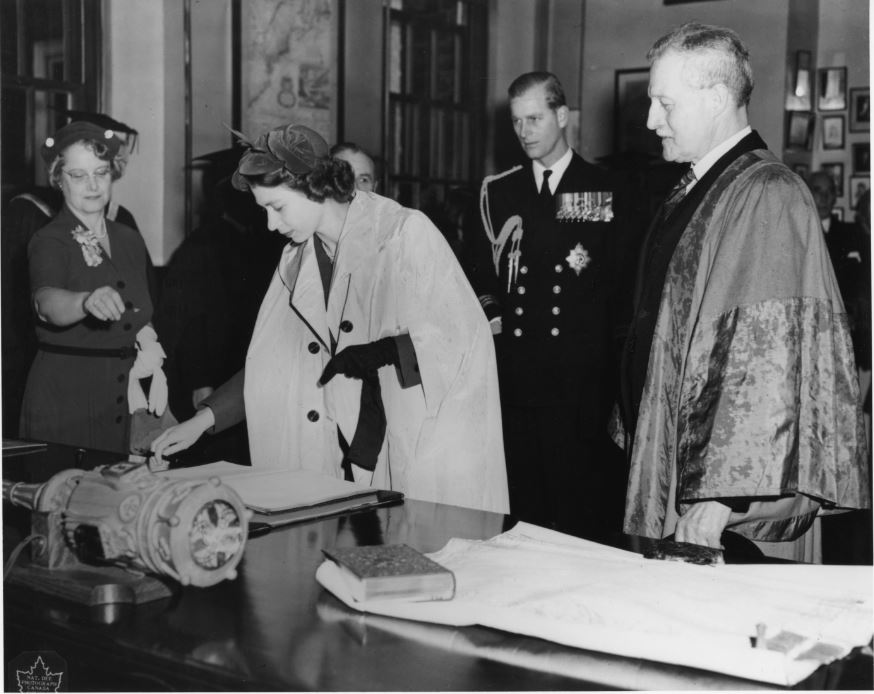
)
(294, 148)
(76, 132)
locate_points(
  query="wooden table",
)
(275, 628)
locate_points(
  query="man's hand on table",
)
(703, 523)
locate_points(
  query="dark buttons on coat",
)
(313, 347)
(346, 326)
(128, 305)
(120, 284)
(121, 378)
(127, 326)
(119, 399)
(118, 420)
(313, 416)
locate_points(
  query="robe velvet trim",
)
(751, 388)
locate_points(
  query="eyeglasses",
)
(79, 177)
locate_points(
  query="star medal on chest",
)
(578, 258)
(89, 242)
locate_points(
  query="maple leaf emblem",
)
(38, 678)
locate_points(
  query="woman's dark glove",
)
(359, 360)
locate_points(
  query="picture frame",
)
(861, 158)
(802, 170)
(860, 110)
(858, 186)
(630, 111)
(831, 93)
(836, 171)
(833, 132)
(280, 80)
(799, 129)
(800, 89)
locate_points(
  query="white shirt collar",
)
(557, 169)
(714, 154)
(826, 224)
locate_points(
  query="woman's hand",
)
(104, 303)
(63, 307)
(181, 436)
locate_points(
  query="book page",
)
(270, 491)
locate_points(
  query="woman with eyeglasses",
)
(90, 293)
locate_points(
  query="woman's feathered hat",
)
(294, 148)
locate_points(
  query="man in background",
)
(362, 165)
(739, 392)
(547, 268)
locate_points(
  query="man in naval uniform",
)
(739, 393)
(547, 270)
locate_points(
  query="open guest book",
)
(281, 497)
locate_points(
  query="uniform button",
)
(556, 289)
(313, 347)
(524, 269)
(555, 310)
(313, 416)
(518, 332)
(120, 284)
(127, 326)
(559, 268)
(128, 305)
(346, 326)
(554, 332)
(519, 311)
(521, 290)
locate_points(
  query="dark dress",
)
(76, 399)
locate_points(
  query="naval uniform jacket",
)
(552, 278)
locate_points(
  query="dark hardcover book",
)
(392, 572)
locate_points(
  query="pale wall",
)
(144, 88)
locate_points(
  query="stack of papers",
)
(280, 497)
(770, 623)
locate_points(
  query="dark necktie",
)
(678, 192)
(545, 194)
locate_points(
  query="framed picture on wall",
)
(831, 93)
(630, 110)
(836, 171)
(799, 96)
(799, 129)
(801, 169)
(858, 186)
(861, 158)
(833, 132)
(860, 110)
(289, 66)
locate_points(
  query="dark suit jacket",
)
(558, 310)
(850, 251)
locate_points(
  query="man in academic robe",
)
(547, 270)
(739, 394)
